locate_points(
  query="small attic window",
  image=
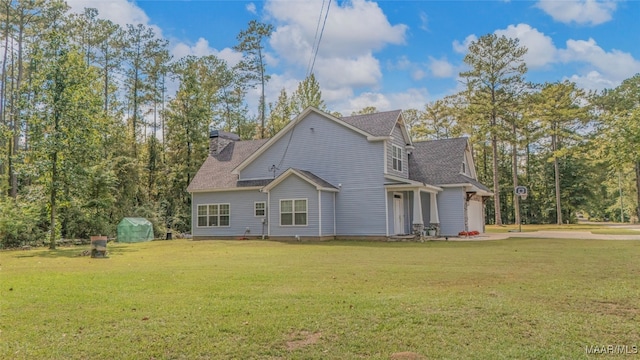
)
(464, 165)
(396, 155)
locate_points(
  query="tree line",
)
(89, 133)
(577, 152)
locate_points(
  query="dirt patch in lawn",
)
(615, 308)
(406, 355)
(300, 339)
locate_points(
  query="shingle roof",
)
(378, 124)
(215, 173)
(316, 179)
(438, 162)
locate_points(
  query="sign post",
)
(522, 192)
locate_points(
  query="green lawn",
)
(524, 299)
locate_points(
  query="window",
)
(293, 212)
(396, 155)
(259, 208)
(464, 165)
(213, 215)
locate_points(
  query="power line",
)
(315, 37)
(275, 168)
(319, 39)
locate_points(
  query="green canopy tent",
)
(131, 230)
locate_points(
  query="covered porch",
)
(411, 208)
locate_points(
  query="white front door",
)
(475, 213)
(398, 214)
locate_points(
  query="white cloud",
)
(121, 12)
(202, 48)
(579, 11)
(614, 65)
(441, 68)
(424, 21)
(360, 71)
(251, 7)
(403, 63)
(377, 100)
(410, 99)
(353, 32)
(600, 68)
(592, 81)
(541, 50)
(462, 47)
(418, 74)
(354, 28)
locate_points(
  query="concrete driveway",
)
(554, 234)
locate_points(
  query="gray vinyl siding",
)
(241, 209)
(340, 156)
(327, 213)
(451, 211)
(294, 188)
(399, 140)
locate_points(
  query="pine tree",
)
(493, 83)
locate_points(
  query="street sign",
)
(521, 191)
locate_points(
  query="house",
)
(323, 177)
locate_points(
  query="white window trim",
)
(293, 212)
(396, 160)
(212, 226)
(465, 166)
(255, 203)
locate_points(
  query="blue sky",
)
(398, 54)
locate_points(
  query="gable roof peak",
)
(376, 124)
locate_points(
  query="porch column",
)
(433, 209)
(417, 208)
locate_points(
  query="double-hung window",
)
(396, 155)
(259, 208)
(293, 212)
(213, 215)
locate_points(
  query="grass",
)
(524, 298)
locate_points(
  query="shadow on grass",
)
(70, 252)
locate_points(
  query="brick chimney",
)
(218, 140)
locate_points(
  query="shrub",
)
(20, 223)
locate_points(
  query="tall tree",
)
(27, 22)
(307, 94)
(188, 115)
(156, 68)
(138, 40)
(65, 130)
(253, 65)
(280, 114)
(84, 29)
(366, 110)
(493, 82)
(560, 109)
(226, 94)
(110, 41)
(620, 118)
(438, 120)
